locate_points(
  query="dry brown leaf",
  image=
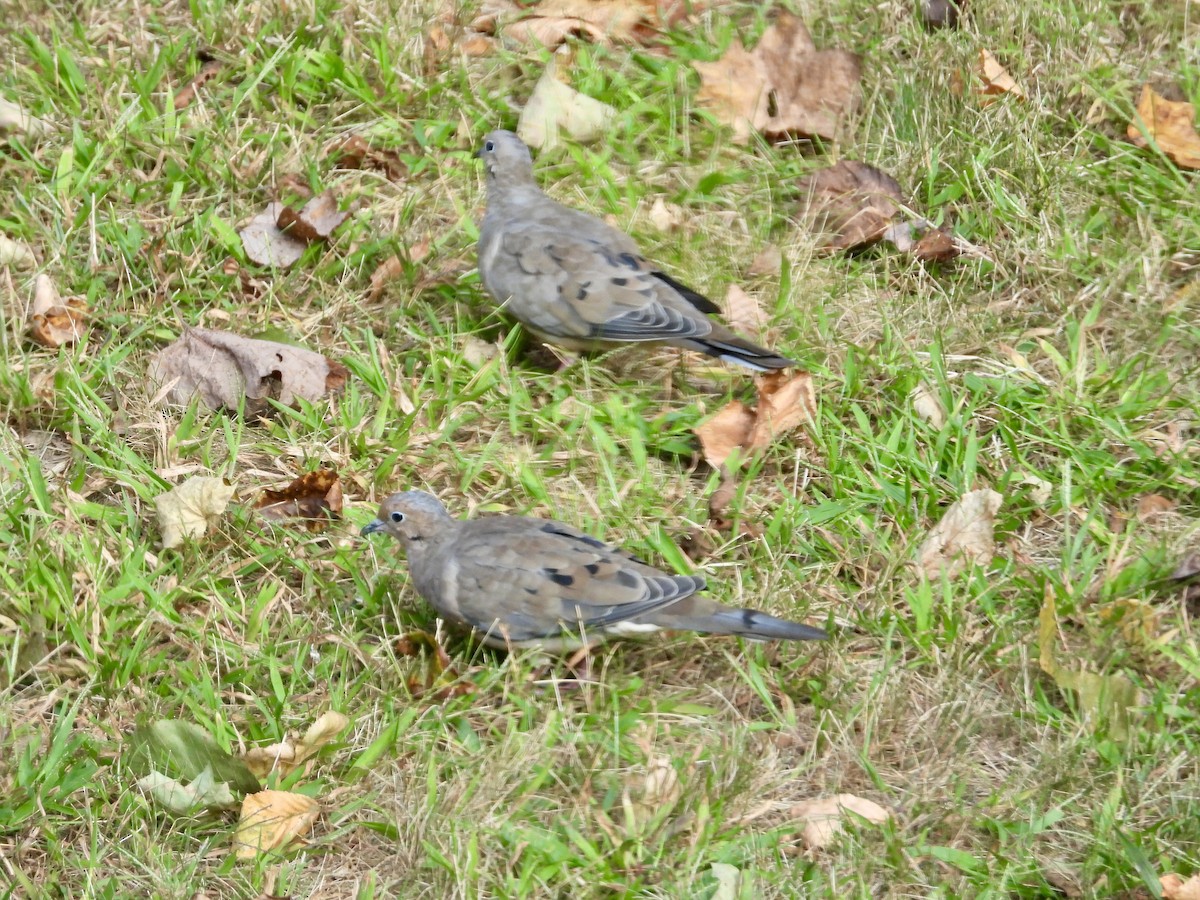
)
(824, 818)
(1170, 124)
(479, 45)
(52, 320)
(551, 22)
(266, 244)
(936, 245)
(279, 234)
(743, 313)
(928, 405)
(963, 536)
(14, 120)
(784, 401)
(387, 271)
(851, 204)
(15, 254)
(1188, 567)
(316, 496)
(555, 107)
(726, 432)
(768, 262)
(354, 152)
(191, 508)
(286, 757)
(995, 77)
(1151, 506)
(271, 820)
(223, 367)
(316, 221)
(1175, 888)
(209, 70)
(784, 88)
(664, 216)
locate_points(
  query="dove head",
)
(410, 517)
(506, 159)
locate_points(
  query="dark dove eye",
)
(397, 517)
(489, 146)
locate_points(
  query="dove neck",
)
(502, 195)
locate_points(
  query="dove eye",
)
(489, 146)
(397, 516)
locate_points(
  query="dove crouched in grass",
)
(575, 281)
(523, 582)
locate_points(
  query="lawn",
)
(1031, 722)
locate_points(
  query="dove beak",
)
(373, 526)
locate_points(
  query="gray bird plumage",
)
(523, 582)
(575, 281)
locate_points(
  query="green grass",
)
(1066, 360)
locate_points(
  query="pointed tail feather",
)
(724, 344)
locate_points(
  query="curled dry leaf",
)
(316, 496)
(209, 70)
(54, 321)
(191, 508)
(851, 204)
(14, 120)
(1170, 124)
(963, 536)
(1151, 506)
(279, 234)
(1175, 888)
(386, 272)
(784, 88)
(854, 205)
(743, 313)
(995, 77)
(265, 242)
(15, 253)
(271, 820)
(824, 818)
(222, 368)
(354, 152)
(664, 216)
(316, 221)
(928, 405)
(286, 757)
(555, 106)
(1188, 568)
(203, 792)
(785, 400)
(769, 261)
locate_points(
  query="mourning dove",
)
(575, 281)
(523, 582)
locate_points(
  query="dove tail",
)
(760, 626)
(731, 348)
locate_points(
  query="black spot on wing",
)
(697, 300)
(559, 578)
(592, 568)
